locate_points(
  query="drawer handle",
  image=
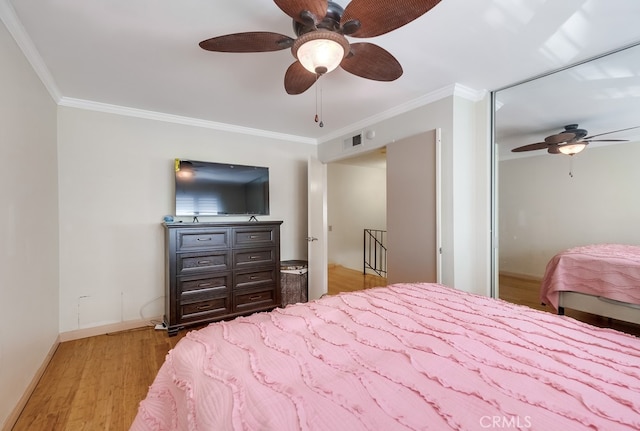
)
(255, 298)
(204, 307)
(254, 277)
(253, 236)
(254, 257)
(204, 284)
(204, 239)
(204, 262)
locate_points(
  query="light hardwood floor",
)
(526, 291)
(343, 279)
(96, 383)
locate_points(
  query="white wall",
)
(356, 200)
(468, 188)
(116, 184)
(465, 180)
(28, 225)
(542, 210)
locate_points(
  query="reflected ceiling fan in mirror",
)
(570, 141)
(321, 45)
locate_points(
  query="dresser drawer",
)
(256, 278)
(254, 257)
(189, 263)
(199, 239)
(202, 288)
(211, 308)
(260, 299)
(219, 270)
(255, 236)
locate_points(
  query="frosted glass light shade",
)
(571, 149)
(320, 52)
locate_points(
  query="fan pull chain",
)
(571, 165)
(321, 122)
(316, 89)
(318, 118)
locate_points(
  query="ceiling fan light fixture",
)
(320, 51)
(571, 149)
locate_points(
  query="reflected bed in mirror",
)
(547, 203)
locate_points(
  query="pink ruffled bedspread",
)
(410, 356)
(608, 270)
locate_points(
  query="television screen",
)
(213, 189)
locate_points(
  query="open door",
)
(413, 209)
(317, 224)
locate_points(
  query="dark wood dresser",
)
(217, 271)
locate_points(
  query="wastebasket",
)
(293, 281)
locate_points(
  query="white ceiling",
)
(144, 54)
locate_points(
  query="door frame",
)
(317, 248)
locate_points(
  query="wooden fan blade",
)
(297, 80)
(304, 11)
(531, 147)
(256, 41)
(553, 149)
(605, 140)
(371, 62)
(608, 133)
(559, 138)
(379, 17)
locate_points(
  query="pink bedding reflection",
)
(608, 270)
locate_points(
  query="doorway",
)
(358, 199)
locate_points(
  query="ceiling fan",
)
(570, 141)
(321, 45)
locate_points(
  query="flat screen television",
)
(220, 189)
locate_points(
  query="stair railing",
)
(375, 251)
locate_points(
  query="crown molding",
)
(177, 119)
(19, 34)
(469, 93)
(450, 90)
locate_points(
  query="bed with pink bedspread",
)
(610, 271)
(408, 356)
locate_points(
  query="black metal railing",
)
(375, 251)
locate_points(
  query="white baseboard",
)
(106, 329)
(22, 402)
(69, 336)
